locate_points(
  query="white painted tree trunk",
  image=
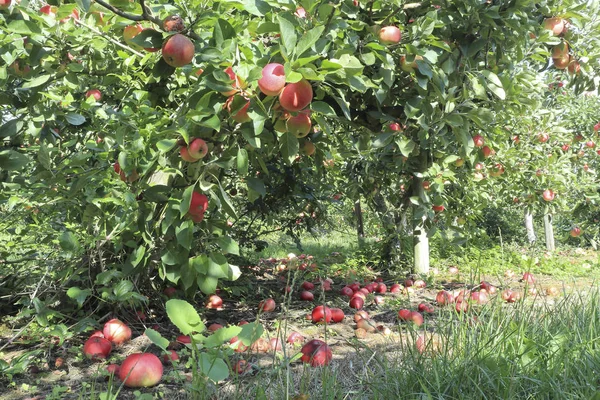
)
(420, 238)
(549, 232)
(529, 226)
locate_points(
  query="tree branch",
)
(105, 36)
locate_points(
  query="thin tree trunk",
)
(549, 232)
(420, 238)
(529, 226)
(360, 230)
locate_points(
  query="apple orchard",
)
(152, 142)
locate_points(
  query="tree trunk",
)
(420, 238)
(549, 232)
(360, 230)
(529, 226)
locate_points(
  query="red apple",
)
(296, 96)
(308, 285)
(390, 35)
(575, 231)
(346, 291)
(396, 127)
(4, 4)
(317, 353)
(295, 337)
(426, 308)
(337, 315)
(528, 278)
(272, 81)
(267, 305)
(178, 50)
(173, 23)
(478, 141)
(183, 339)
(130, 32)
(306, 296)
(381, 288)
(214, 327)
(299, 125)
(416, 318)
(113, 369)
(443, 298)
(437, 209)
(356, 302)
(548, 195)
(198, 148)
(487, 152)
(94, 93)
(49, 10)
(116, 331)
(543, 137)
(214, 302)
(141, 370)
(97, 348)
(404, 314)
(170, 357)
(420, 284)
(555, 24)
(321, 314)
(97, 334)
(480, 297)
(488, 287)
(361, 315)
(396, 288)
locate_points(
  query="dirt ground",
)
(80, 378)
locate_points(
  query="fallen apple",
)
(116, 331)
(141, 370)
(317, 353)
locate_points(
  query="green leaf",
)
(213, 367)
(186, 199)
(68, 242)
(84, 4)
(222, 335)
(157, 338)
(308, 39)
(37, 81)
(217, 265)
(226, 202)
(199, 263)
(406, 146)
(228, 245)
(79, 295)
(185, 234)
(44, 156)
(123, 290)
(11, 128)
(223, 31)
(289, 147)
(75, 119)
(166, 145)
(256, 7)
(250, 333)
(148, 39)
(256, 189)
(23, 27)
(323, 108)
(207, 284)
(184, 316)
(137, 256)
(242, 162)
(288, 34)
(383, 140)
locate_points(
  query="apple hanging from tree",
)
(390, 35)
(555, 25)
(178, 50)
(4, 4)
(478, 141)
(173, 23)
(272, 80)
(95, 93)
(548, 195)
(296, 96)
(575, 231)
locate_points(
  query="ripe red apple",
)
(141, 370)
(295, 337)
(555, 24)
(241, 367)
(306, 296)
(299, 125)
(381, 288)
(4, 4)
(49, 10)
(321, 314)
(408, 283)
(396, 127)
(97, 334)
(95, 93)
(396, 288)
(478, 141)
(337, 315)
(173, 23)
(438, 208)
(198, 148)
(487, 151)
(480, 297)
(214, 302)
(183, 339)
(419, 284)
(168, 358)
(356, 302)
(488, 287)
(561, 62)
(590, 144)
(198, 206)
(273, 79)
(296, 96)
(404, 314)
(355, 287)
(426, 308)
(575, 231)
(113, 369)
(308, 285)
(346, 291)
(416, 318)
(390, 35)
(267, 305)
(317, 353)
(185, 155)
(97, 348)
(528, 278)
(116, 331)
(178, 50)
(565, 147)
(548, 195)
(443, 297)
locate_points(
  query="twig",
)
(105, 36)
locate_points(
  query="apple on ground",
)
(141, 370)
(317, 353)
(267, 305)
(97, 348)
(116, 331)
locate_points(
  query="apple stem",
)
(105, 36)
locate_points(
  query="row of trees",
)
(94, 123)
